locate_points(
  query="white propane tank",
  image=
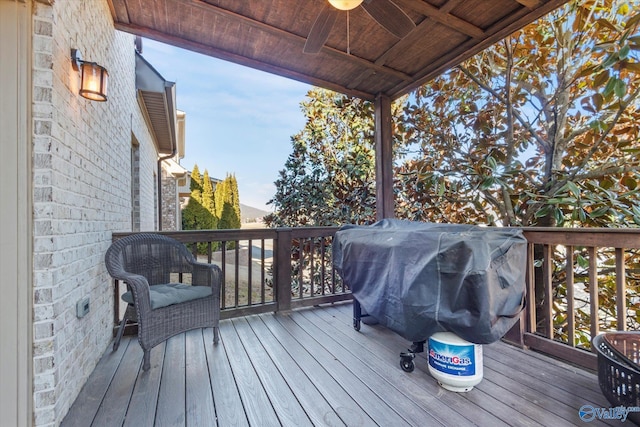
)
(455, 363)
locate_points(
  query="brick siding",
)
(82, 193)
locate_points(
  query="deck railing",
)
(583, 282)
(265, 269)
(285, 268)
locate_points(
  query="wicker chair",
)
(152, 266)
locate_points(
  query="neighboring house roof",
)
(185, 190)
(157, 97)
(174, 168)
(181, 124)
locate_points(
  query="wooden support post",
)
(283, 269)
(384, 158)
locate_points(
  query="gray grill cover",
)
(418, 279)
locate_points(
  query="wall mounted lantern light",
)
(93, 77)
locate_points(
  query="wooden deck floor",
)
(312, 368)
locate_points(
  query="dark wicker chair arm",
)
(207, 274)
(139, 286)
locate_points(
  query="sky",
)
(238, 120)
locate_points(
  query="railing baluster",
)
(223, 261)
(621, 291)
(322, 263)
(237, 273)
(571, 319)
(593, 291)
(249, 271)
(312, 269)
(262, 273)
(548, 290)
(531, 291)
(301, 267)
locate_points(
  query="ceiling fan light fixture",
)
(345, 4)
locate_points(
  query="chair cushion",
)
(172, 293)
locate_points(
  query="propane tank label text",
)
(452, 359)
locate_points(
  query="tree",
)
(329, 178)
(235, 201)
(196, 179)
(227, 203)
(208, 199)
(196, 215)
(540, 129)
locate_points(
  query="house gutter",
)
(158, 99)
(170, 105)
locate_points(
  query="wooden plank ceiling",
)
(269, 35)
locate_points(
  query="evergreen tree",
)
(228, 203)
(208, 199)
(196, 216)
(219, 196)
(196, 179)
(235, 201)
(329, 179)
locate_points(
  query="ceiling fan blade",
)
(320, 30)
(390, 16)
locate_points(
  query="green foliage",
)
(228, 203)
(208, 200)
(196, 179)
(197, 214)
(539, 129)
(329, 178)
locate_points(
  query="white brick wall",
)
(82, 193)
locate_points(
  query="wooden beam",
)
(384, 158)
(343, 56)
(238, 59)
(495, 33)
(444, 18)
(449, 6)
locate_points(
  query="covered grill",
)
(418, 278)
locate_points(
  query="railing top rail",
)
(596, 237)
(212, 235)
(239, 234)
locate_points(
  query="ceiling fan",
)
(384, 12)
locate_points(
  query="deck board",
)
(341, 402)
(311, 367)
(320, 411)
(199, 398)
(142, 407)
(281, 397)
(419, 386)
(84, 409)
(393, 396)
(170, 410)
(229, 409)
(254, 397)
(113, 409)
